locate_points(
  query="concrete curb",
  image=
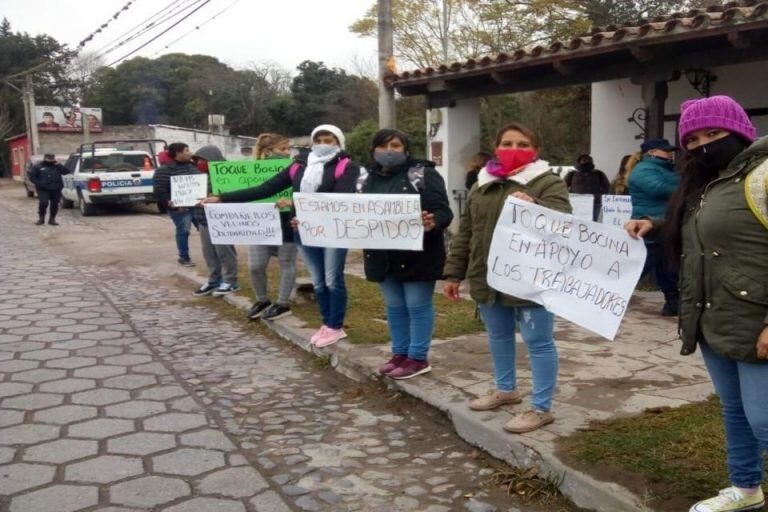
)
(485, 432)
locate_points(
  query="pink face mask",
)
(512, 161)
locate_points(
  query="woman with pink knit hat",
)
(717, 228)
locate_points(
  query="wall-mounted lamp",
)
(435, 121)
(701, 80)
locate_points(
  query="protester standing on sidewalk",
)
(516, 171)
(588, 180)
(271, 146)
(46, 176)
(651, 184)
(407, 278)
(181, 217)
(717, 229)
(217, 257)
(327, 169)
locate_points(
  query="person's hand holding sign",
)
(523, 196)
(210, 200)
(638, 228)
(295, 224)
(428, 220)
(283, 203)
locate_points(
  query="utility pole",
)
(386, 60)
(34, 142)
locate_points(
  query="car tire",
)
(86, 209)
(30, 193)
(67, 204)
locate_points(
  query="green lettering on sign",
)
(242, 174)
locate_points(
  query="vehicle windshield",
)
(117, 162)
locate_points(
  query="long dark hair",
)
(695, 179)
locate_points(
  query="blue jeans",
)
(410, 316)
(536, 326)
(182, 219)
(742, 391)
(326, 265)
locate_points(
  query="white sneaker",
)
(225, 289)
(731, 499)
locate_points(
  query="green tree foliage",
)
(19, 52)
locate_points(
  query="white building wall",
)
(232, 146)
(460, 135)
(614, 101)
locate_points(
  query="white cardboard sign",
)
(582, 205)
(244, 224)
(360, 221)
(187, 190)
(616, 210)
(580, 270)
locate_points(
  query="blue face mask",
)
(390, 159)
(324, 150)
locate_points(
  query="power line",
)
(153, 25)
(127, 32)
(205, 2)
(103, 26)
(196, 27)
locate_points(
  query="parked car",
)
(34, 160)
(116, 173)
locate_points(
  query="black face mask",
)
(586, 166)
(716, 155)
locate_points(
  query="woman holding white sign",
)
(327, 169)
(407, 278)
(717, 229)
(516, 171)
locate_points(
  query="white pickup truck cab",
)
(109, 175)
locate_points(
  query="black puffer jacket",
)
(161, 183)
(410, 265)
(47, 175)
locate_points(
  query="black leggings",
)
(46, 196)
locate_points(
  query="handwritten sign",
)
(244, 224)
(580, 270)
(616, 210)
(360, 221)
(188, 189)
(583, 205)
(238, 175)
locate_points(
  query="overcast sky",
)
(284, 31)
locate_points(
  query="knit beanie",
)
(331, 129)
(715, 112)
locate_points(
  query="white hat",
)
(331, 129)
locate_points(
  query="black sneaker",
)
(258, 309)
(206, 289)
(185, 263)
(276, 311)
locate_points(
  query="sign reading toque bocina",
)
(360, 221)
(244, 224)
(582, 271)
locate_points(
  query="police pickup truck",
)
(110, 172)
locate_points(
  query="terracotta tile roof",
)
(695, 23)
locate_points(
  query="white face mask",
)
(323, 150)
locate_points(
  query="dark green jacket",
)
(469, 250)
(426, 265)
(724, 266)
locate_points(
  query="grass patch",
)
(528, 484)
(321, 362)
(673, 456)
(366, 322)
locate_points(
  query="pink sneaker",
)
(393, 363)
(317, 334)
(410, 368)
(329, 337)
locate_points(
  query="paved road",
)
(120, 392)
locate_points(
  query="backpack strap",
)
(341, 166)
(756, 191)
(293, 169)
